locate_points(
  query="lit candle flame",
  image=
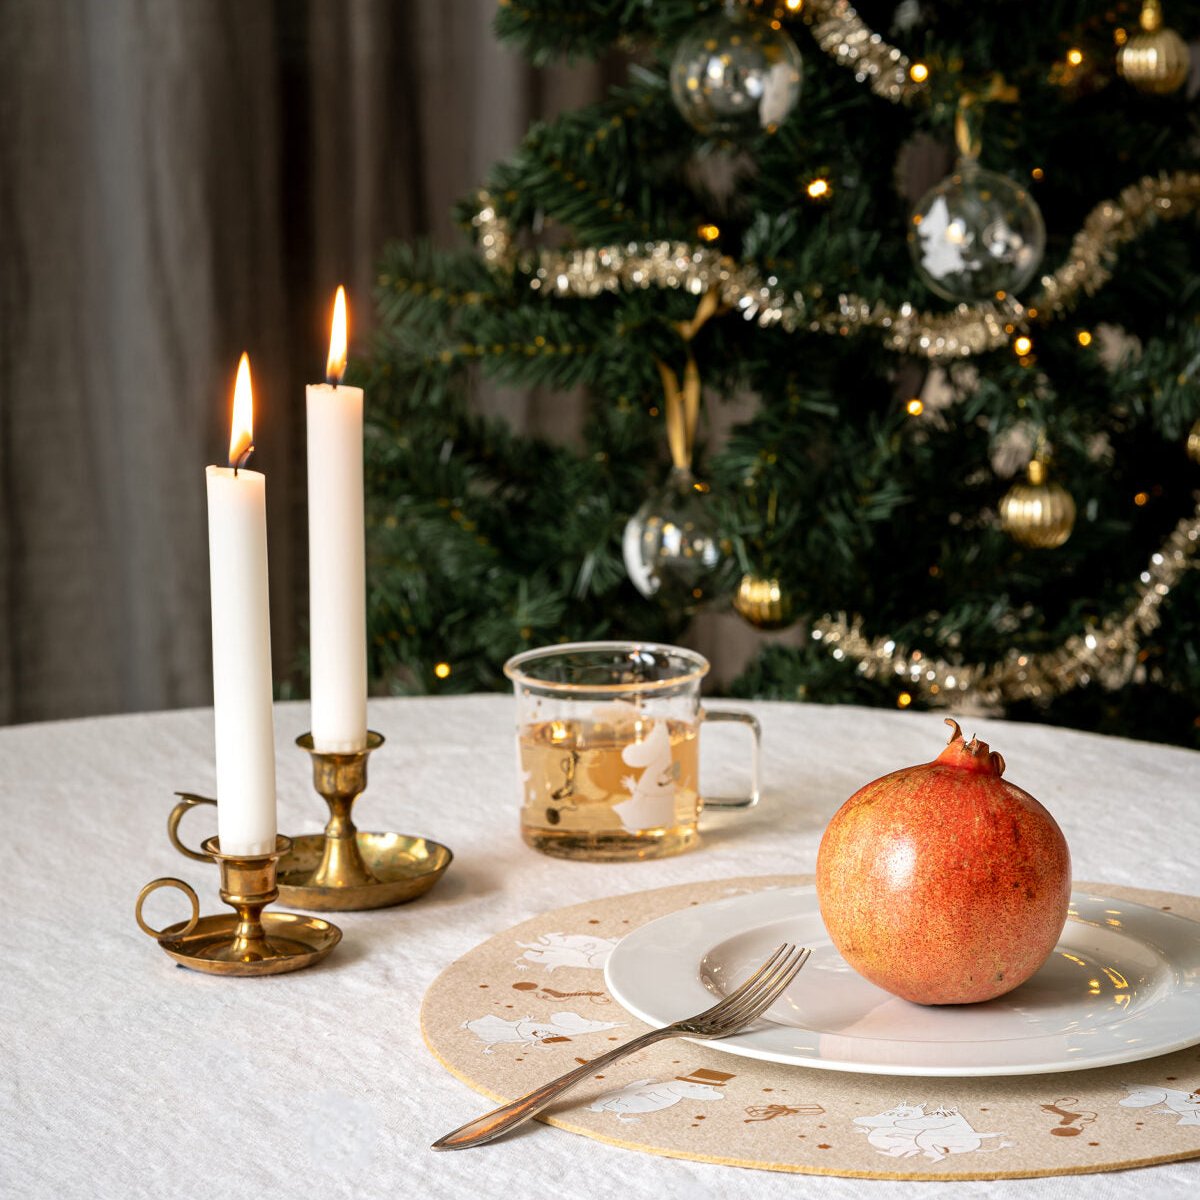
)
(241, 432)
(335, 367)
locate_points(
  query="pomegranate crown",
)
(974, 755)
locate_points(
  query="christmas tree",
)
(949, 253)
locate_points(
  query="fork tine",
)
(738, 1002)
(772, 993)
(750, 1008)
(746, 1007)
(751, 983)
(742, 998)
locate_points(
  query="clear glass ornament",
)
(672, 544)
(734, 74)
(975, 234)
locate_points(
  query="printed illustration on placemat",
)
(493, 1020)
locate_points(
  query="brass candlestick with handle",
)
(248, 941)
(343, 869)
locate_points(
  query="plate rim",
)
(723, 904)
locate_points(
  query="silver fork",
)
(739, 1009)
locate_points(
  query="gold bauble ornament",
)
(1193, 442)
(1156, 59)
(1036, 513)
(763, 601)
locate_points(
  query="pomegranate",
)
(944, 883)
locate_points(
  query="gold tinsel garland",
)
(1108, 653)
(1108, 227)
(967, 330)
(848, 40)
(845, 37)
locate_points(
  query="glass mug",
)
(608, 749)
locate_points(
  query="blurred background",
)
(180, 182)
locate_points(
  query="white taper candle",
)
(336, 554)
(241, 639)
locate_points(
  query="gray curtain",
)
(179, 181)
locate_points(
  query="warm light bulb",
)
(442, 670)
(903, 700)
(794, 5)
(709, 233)
(818, 188)
(918, 72)
(335, 366)
(1038, 173)
(1141, 499)
(1074, 57)
(1084, 338)
(915, 407)
(241, 428)
(1022, 346)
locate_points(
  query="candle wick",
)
(243, 458)
(333, 380)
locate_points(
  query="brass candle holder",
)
(247, 941)
(345, 869)
(342, 869)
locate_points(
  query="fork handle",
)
(501, 1120)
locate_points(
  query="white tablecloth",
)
(122, 1075)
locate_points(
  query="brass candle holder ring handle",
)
(187, 801)
(172, 931)
(247, 941)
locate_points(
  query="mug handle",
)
(751, 722)
(186, 801)
(153, 886)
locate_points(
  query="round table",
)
(124, 1075)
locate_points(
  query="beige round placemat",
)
(530, 1003)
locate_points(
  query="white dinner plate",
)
(1122, 984)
